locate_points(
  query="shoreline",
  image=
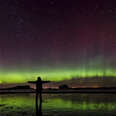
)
(67, 91)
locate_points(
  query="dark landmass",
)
(17, 88)
(27, 89)
(80, 82)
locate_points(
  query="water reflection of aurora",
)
(56, 103)
(54, 75)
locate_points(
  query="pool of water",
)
(59, 105)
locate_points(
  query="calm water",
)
(59, 105)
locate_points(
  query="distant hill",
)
(94, 82)
(18, 88)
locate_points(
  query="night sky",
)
(57, 39)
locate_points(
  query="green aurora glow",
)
(53, 74)
(78, 45)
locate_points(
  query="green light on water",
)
(81, 106)
(58, 104)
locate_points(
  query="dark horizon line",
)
(110, 90)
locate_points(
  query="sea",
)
(58, 105)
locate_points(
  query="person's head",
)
(39, 78)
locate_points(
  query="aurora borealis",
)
(57, 40)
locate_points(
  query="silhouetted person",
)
(38, 83)
(39, 91)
